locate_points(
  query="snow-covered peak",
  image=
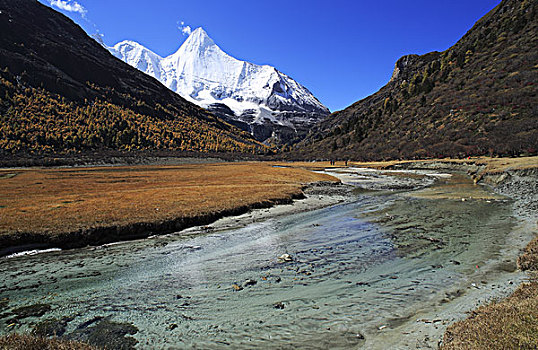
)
(138, 56)
(204, 74)
(198, 40)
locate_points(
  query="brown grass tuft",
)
(509, 324)
(529, 260)
(29, 342)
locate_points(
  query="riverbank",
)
(512, 322)
(360, 267)
(428, 325)
(75, 207)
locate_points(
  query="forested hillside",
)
(479, 97)
(63, 93)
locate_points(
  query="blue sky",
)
(340, 50)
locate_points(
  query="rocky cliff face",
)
(476, 98)
(267, 103)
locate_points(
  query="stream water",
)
(358, 269)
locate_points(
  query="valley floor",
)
(73, 207)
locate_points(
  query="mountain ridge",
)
(258, 98)
(476, 98)
(62, 92)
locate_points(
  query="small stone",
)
(285, 258)
(280, 305)
(172, 326)
(249, 282)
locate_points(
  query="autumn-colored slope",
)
(61, 92)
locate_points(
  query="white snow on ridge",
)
(204, 74)
(139, 57)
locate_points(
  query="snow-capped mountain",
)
(257, 98)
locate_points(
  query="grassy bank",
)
(483, 165)
(60, 205)
(28, 342)
(509, 324)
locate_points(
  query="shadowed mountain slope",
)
(62, 92)
(479, 97)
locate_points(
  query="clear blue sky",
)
(342, 50)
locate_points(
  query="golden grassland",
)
(491, 165)
(53, 201)
(509, 324)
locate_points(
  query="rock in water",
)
(285, 258)
(249, 282)
(236, 287)
(280, 305)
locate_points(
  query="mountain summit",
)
(257, 98)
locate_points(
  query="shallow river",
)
(359, 271)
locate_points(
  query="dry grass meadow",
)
(491, 165)
(511, 323)
(53, 201)
(29, 342)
